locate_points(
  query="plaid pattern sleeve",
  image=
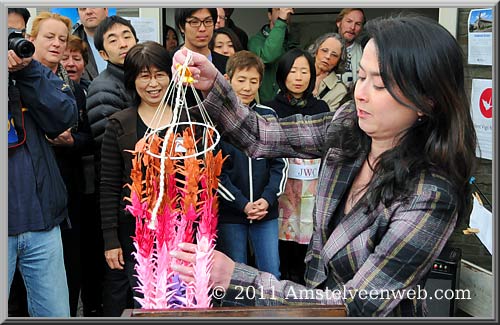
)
(249, 287)
(263, 136)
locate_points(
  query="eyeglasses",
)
(196, 23)
(222, 17)
(330, 54)
(146, 78)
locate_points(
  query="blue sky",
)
(72, 14)
(485, 13)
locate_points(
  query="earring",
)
(419, 120)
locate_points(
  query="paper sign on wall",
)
(480, 36)
(482, 116)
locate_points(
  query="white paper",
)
(480, 36)
(145, 28)
(482, 116)
(482, 219)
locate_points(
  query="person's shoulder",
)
(264, 110)
(78, 30)
(259, 35)
(432, 181)
(332, 80)
(124, 115)
(107, 79)
(98, 83)
(317, 105)
(432, 188)
(101, 76)
(115, 71)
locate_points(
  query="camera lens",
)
(22, 47)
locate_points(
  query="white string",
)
(175, 114)
(175, 99)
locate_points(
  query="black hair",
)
(106, 25)
(22, 12)
(165, 34)
(231, 34)
(181, 14)
(144, 55)
(285, 64)
(422, 63)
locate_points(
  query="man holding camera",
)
(41, 106)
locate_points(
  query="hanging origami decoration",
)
(174, 179)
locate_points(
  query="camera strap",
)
(16, 130)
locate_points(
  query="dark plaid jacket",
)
(368, 259)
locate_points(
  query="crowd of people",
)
(342, 172)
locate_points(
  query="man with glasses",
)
(221, 18)
(197, 28)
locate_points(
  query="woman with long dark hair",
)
(394, 179)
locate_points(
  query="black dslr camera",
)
(21, 46)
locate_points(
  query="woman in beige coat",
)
(328, 51)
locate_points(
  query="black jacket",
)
(120, 136)
(266, 176)
(106, 96)
(284, 108)
(242, 35)
(69, 158)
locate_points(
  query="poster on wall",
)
(480, 36)
(145, 28)
(482, 116)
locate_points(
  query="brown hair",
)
(244, 60)
(75, 43)
(345, 11)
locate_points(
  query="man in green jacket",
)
(270, 43)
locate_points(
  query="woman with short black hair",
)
(147, 76)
